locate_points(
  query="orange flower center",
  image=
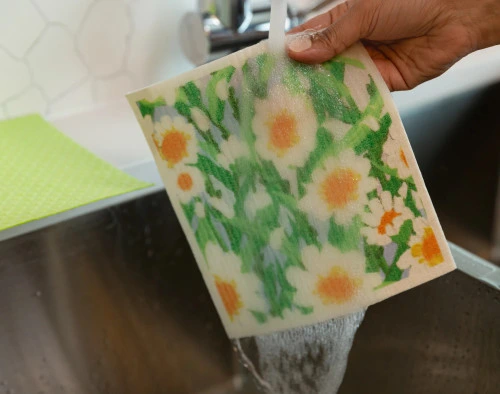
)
(402, 156)
(184, 181)
(337, 287)
(340, 187)
(386, 220)
(229, 295)
(283, 132)
(174, 146)
(428, 251)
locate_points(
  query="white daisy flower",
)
(175, 140)
(199, 210)
(230, 150)
(222, 89)
(424, 247)
(200, 119)
(234, 292)
(332, 281)
(285, 126)
(189, 183)
(385, 218)
(394, 156)
(340, 188)
(257, 200)
(276, 238)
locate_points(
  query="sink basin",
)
(113, 302)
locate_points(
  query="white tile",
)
(55, 63)
(14, 76)
(155, 48)
(75, 100)
(70, 12)
(102, 39)
(31, 101)
(20, 25)
(113, 88)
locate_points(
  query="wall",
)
(60, 56)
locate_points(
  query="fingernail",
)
(300, 43)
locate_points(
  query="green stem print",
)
(297, 189)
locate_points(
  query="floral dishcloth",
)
(296, 186)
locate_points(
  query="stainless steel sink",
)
(112, 302)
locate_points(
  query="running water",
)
(310, 359)
(277, 26)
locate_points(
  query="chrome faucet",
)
(229, 25)
(234, 24)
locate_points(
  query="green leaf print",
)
(277, 289)
(337, 69)
(257, 77)
(375, 260)
(402, 239)
(188, 211)
(148, 107)
(324, 148)
(331, 97)
(205, 233)
(373, 142)
(215, 104)
(259, 316)
(305, 310)
(193, 94)
(292, 81)
(393, 274)
(210, 167)
(233, 102)
(410, 201)
(346, 60)
(183, 109)
(272, 178)
(345, 238)
(376, 103)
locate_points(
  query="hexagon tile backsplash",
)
(62, 56)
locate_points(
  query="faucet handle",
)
(233, 15)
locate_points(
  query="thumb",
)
(318, 46)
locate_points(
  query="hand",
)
(410, 41)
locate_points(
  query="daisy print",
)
(424, 247)
(285, 126)
(395, 157)
(189, 183)
(339, 188)
(238, 293)
(175, 140)
(332, 279)
(385, 218)
(200, 119)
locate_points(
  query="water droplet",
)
(38, 293)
